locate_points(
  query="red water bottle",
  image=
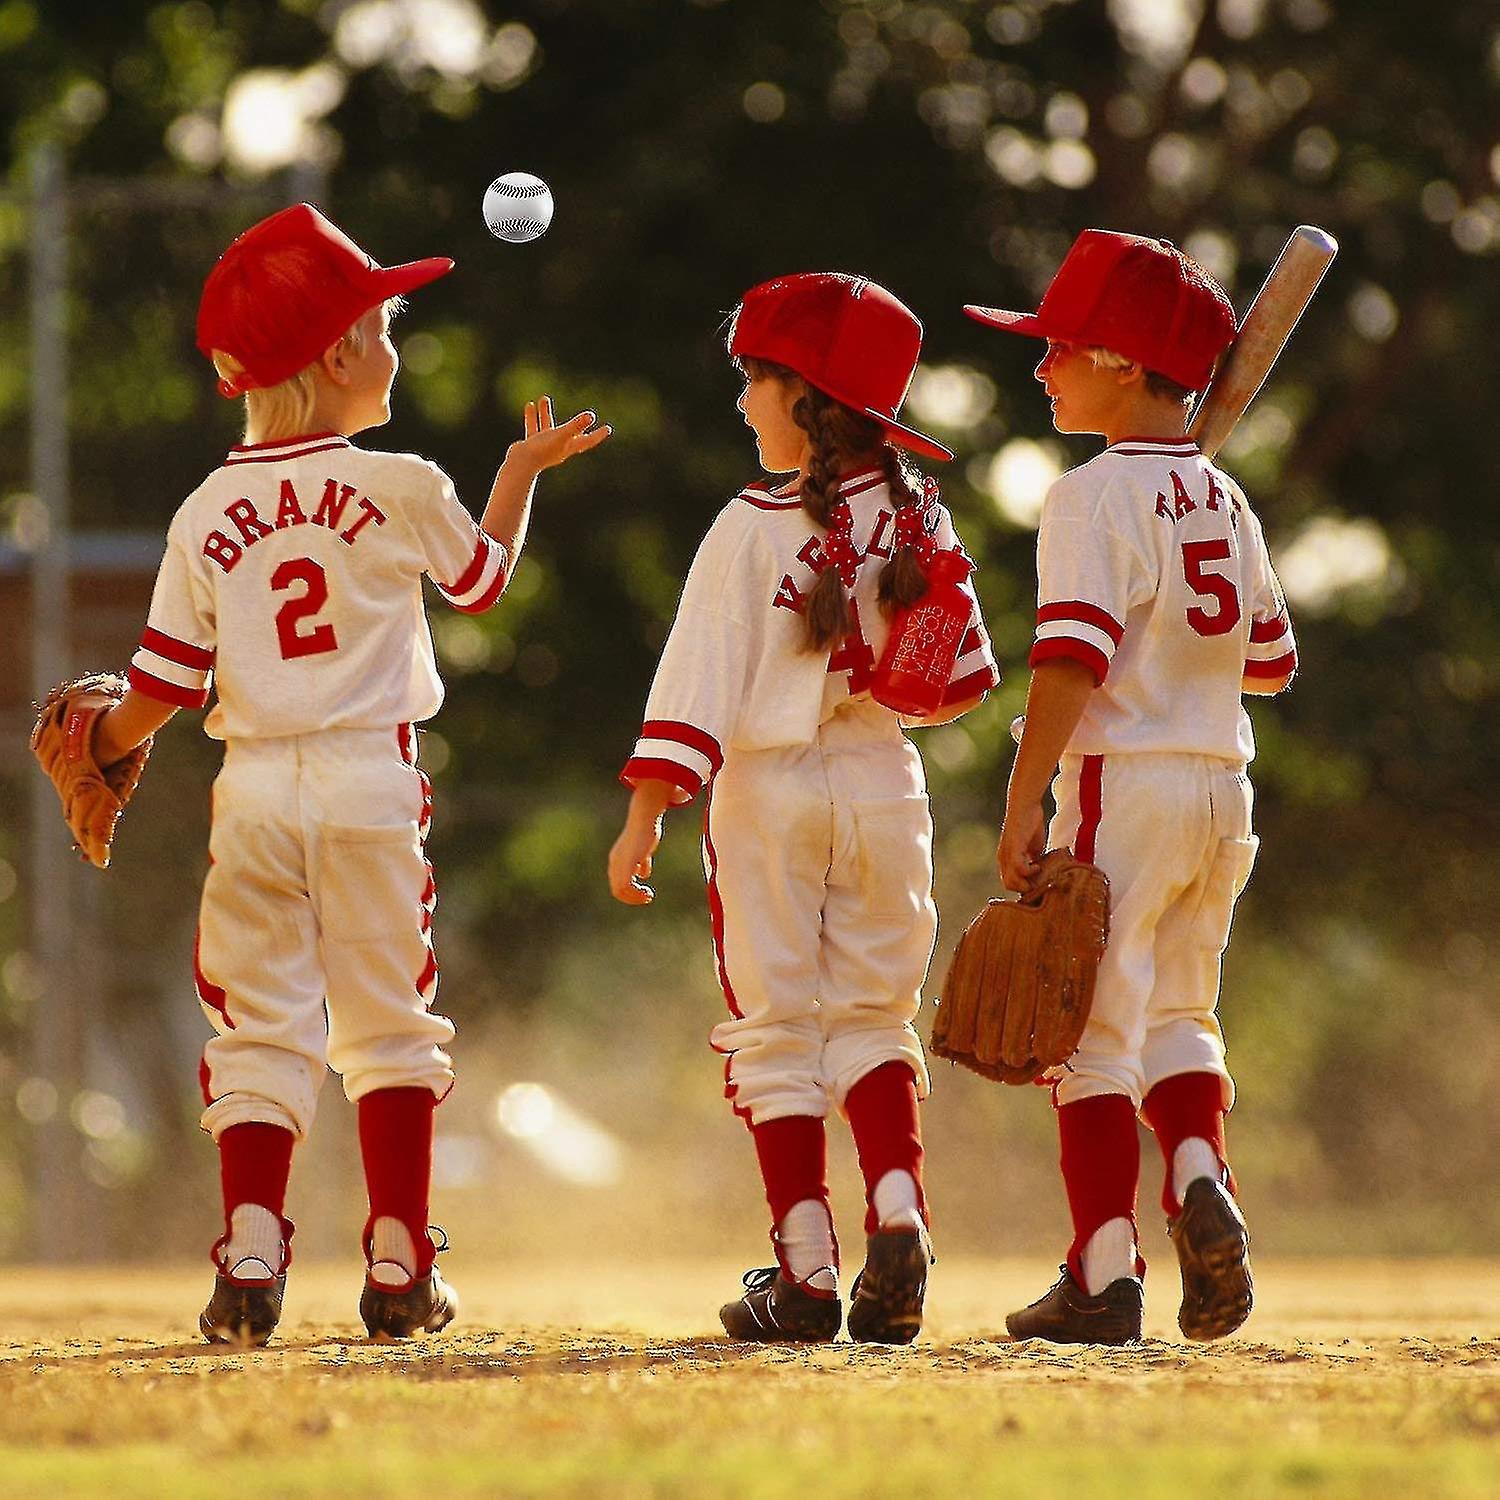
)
(918, 659)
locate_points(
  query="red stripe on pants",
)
(1090, 806)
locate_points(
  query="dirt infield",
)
(1350, 1380)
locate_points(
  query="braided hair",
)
(838, 435)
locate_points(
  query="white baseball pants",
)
(1172, 832)
(314, 938)
(819, 866)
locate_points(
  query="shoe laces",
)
(760, 1278)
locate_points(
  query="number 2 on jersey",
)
(1209, 585)
(320, 638)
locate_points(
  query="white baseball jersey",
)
(292, 585)
(735, 672)
(1153, 571)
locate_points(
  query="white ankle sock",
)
(895, 1199)
(1109, 1255)
(1193, 1158)
(805, 1236)
(254, 1250)
(393, 1255)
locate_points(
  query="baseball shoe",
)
(885, 1303)
(1068, 1315)
(776, 1310)
(1213, 1249)
(243, 1313)
(428, 1305)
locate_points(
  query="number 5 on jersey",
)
(291, 615)
(1209, 585)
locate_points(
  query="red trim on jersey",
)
(1281, 666)
(1090, 807)
(1264, 631)
(299, 437)
(277, 458)
(685, 734)
(1084, 614)
(199, 658)
(761, 503)
(470, 575)
(166, 692)
(650, 768)
(1075, 650)
(981, 681)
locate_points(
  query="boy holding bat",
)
(1158, 608)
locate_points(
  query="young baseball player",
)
(1158, 608)
(292, 582)
(817, 837)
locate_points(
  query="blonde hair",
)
(285, 410)
(1159, 385)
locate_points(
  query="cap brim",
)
(396, 281)
(1009, 322)
(908, 437)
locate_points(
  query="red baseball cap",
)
(289, 287)
(847, 336)
(1143, 298)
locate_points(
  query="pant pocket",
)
(370, 880)
(893, 838)
(1227, 877)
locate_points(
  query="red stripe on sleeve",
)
(167, 692)
(470, 575)
(648, 768)
(967, 687)
(169, 647)
(1262, 631)
(685, 734)
(1281, 666)
(1087, 614)
(1065, 646)
(488, 598)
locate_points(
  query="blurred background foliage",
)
(951, 150)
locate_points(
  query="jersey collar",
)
(284, 448)
(1176, 448)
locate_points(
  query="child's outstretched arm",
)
(1055, 700)
(630, 858)
(507, 513)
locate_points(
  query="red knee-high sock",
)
(395, 1140)
(882, 1110)
(1182, 1106)
(793, 1156)
(1101, 1164)
(255, 1160)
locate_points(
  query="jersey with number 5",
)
(292, 585)
(1153, 571)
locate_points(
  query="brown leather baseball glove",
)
(92, 796)
(1021, 983)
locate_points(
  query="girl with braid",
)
(817, 842)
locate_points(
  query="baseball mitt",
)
(1021, 983)
(92, 796)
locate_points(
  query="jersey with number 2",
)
(292, 585)
(1153, 571)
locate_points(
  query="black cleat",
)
(242, 1313)
(1068, 1315)
(428, 1305)
(885, 1303)
(776, 1310)
(1213, 1249)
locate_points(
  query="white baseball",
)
(518, 207)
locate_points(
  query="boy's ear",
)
(1131, 374)
(335, 363)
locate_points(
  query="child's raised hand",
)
(546, 445)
